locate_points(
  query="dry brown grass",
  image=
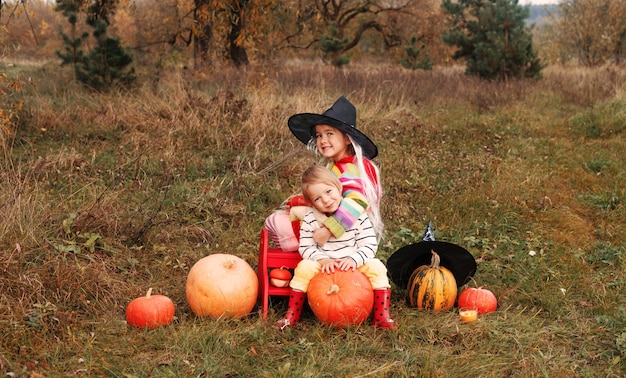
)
(103, 196)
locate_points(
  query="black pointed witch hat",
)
(405, 260)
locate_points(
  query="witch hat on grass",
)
(405, 260)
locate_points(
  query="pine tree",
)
(106, 64)
(73, 53)
(492, 38)
(414, 60)
(332, 45)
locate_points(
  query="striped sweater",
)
(358, 242)
(354, 202)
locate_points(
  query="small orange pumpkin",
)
(280, 277)
(342, 298)
(222, 285)
(150, 311)
(432, 287)
(484, 300)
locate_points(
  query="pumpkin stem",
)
(229, 264)
(435, 260)
(333, 289)
(149, 293)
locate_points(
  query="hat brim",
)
(301, 126)
(405, 260)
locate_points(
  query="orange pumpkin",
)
(342, 298)
(432, 287)
(482, 299)
(280, 277)
(150, 311)
(222, 285)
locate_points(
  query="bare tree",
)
(336, 27)
(231, 22)
(591, 31)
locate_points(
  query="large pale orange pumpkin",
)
(222, 285)
(432, 287)
(341, 298)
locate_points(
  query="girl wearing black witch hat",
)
(347, 153)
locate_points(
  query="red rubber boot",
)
(382, 298)
(296, 302)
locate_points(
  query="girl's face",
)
(325, 198)
(331, 142)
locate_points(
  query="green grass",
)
(105, 195)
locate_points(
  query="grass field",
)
(103, 196)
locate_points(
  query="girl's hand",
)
(321, 235)
(328, 265)
(345, 264)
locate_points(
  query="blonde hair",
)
(373, 190)
(318, 174)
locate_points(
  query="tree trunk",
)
(203, 35)
(237, 52)
(201, 44)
